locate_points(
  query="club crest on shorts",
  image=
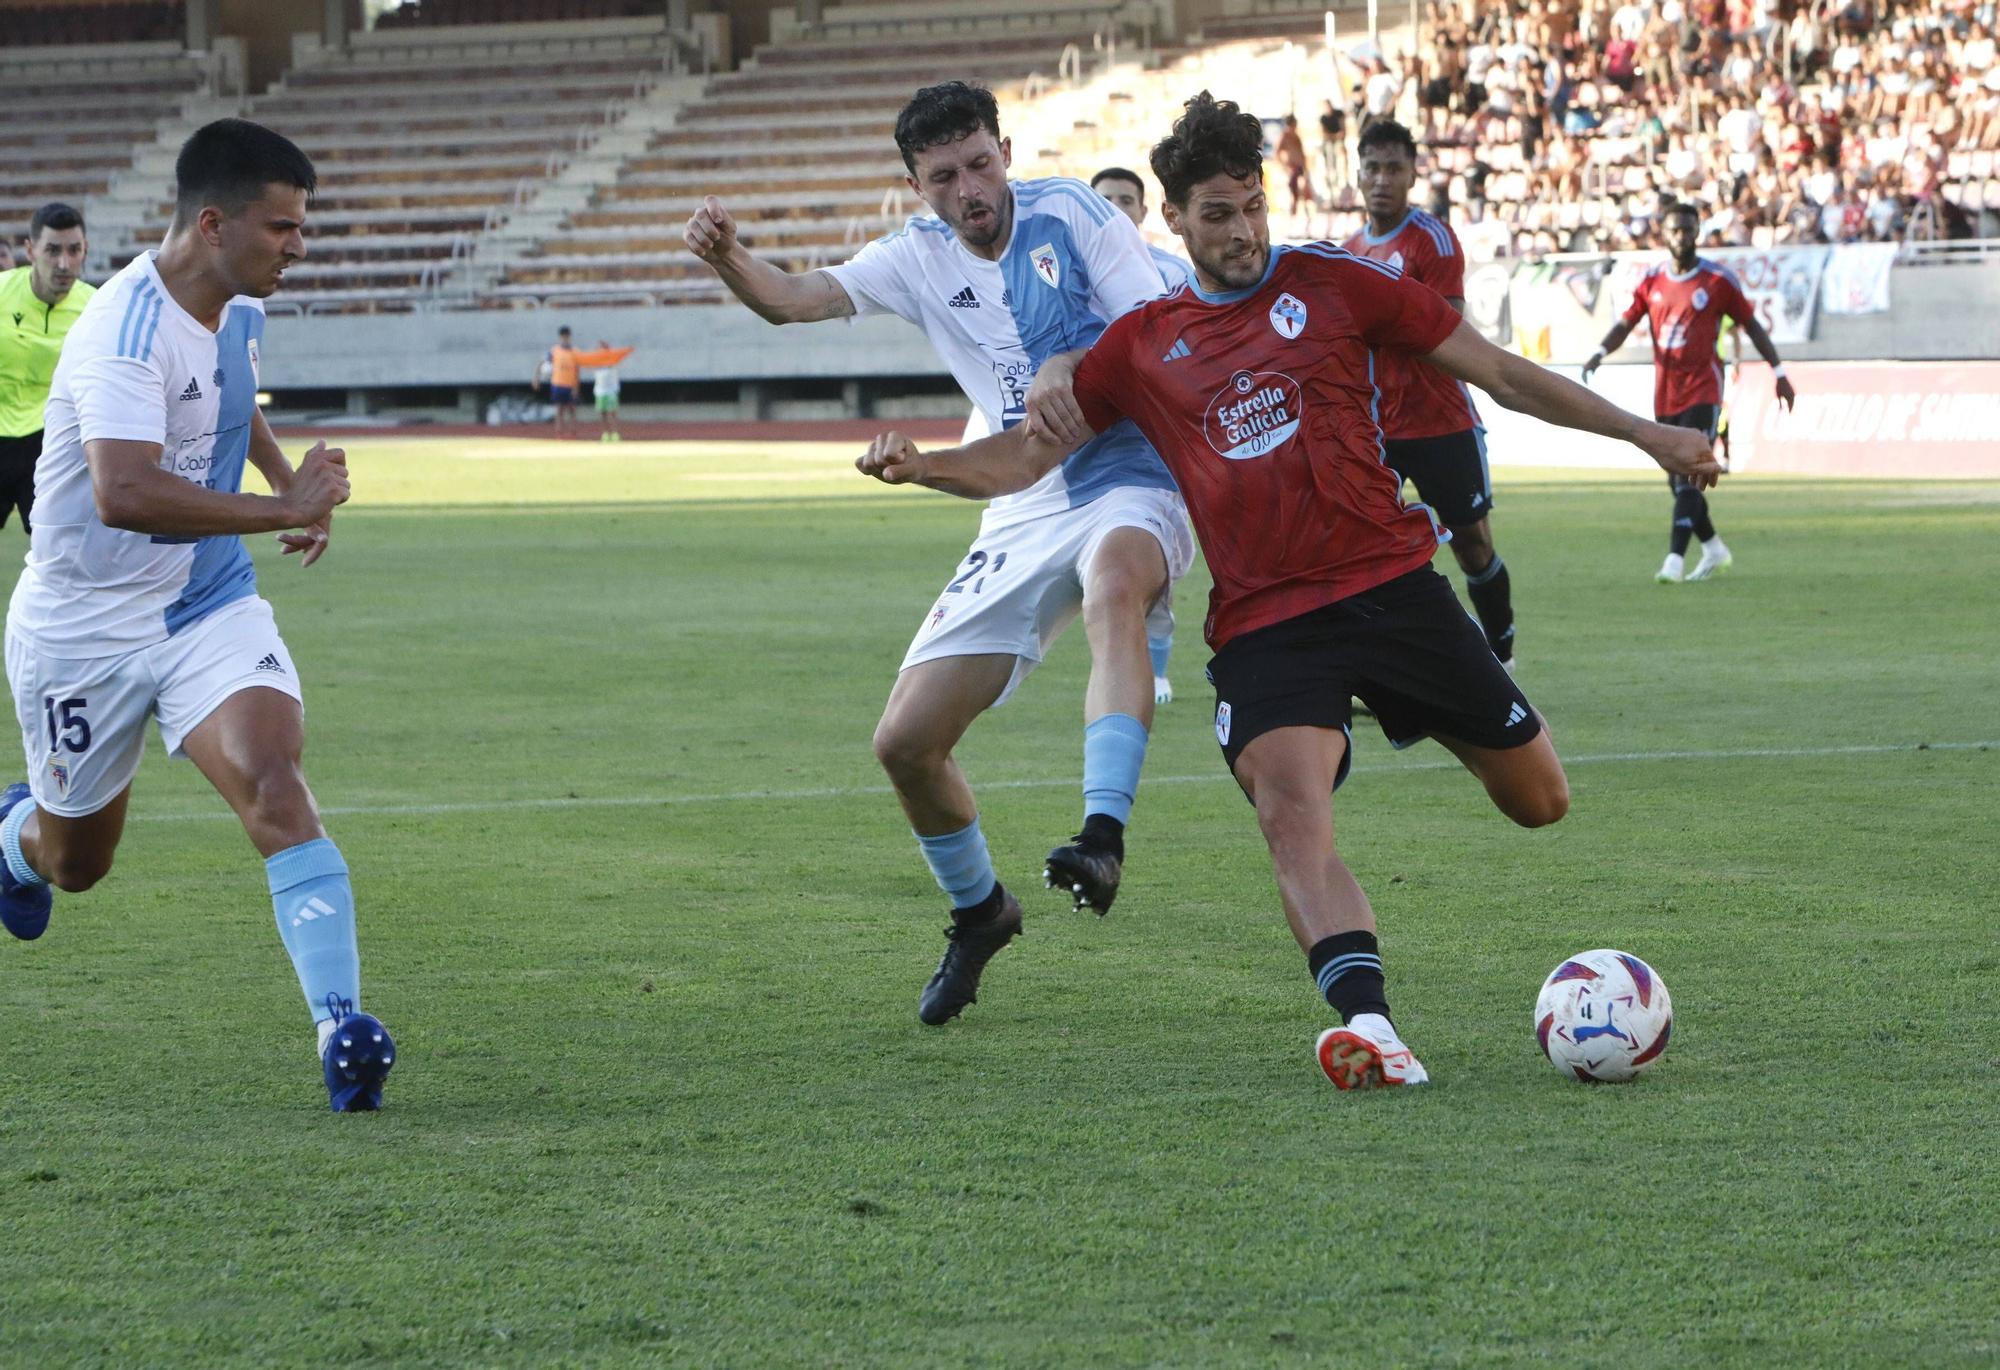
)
(59, 772)
(1701, 297)
(1222, 722)
(1288, 315)
(937, 617)
(1046, 264)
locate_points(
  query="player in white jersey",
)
(1122, 188)
(138, 599)
(1011, 281)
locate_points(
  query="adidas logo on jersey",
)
(271, 663)
(965, 299)
(1177, 351)
(193, 392)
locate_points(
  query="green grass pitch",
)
(591, 726)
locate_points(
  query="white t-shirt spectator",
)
(1846, 57)
(1629, 22)
(1383, 88)
(1821, 185)
(1742, 128)
(1479, 59)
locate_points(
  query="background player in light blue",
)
(1011, 281)
(138, 599)
(1125, 192)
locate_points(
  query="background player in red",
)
(1431, 432)
(1255, 385)
(1686, 304)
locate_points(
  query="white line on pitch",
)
(1060, 782)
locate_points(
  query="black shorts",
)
(1449, 473)
(17, 475)
(1407, 648)
(1703, 418)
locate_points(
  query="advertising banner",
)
(1905, 419)
(1857, 279)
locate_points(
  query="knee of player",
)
(900, 749)
(1543, 805)
(279, 798)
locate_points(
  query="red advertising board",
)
(1906, 419)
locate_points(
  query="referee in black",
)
(38, 304)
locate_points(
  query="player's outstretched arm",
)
(1613, 340)
(1007, 461)
(135, 494)
(773, 295)
(1520, 385)
(1760, 338)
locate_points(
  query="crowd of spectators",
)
(1568, 125)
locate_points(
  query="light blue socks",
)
(315, 908)
(10, 840)
(1114, 750)
(960, 862)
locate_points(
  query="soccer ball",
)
(1603, 1015)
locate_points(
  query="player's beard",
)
(1238, 272)
(986, 232)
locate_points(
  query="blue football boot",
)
(356, 1058)
(24, 909)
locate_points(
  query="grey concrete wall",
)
(1941, 313)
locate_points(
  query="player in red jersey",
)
(1686, 306)
(1256, 384)
(1431, 431)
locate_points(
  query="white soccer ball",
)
(1603, 1016)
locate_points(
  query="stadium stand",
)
(84, 132)
(798, 143)
(425, 146)
(110, 21)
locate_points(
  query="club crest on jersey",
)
(1046, 264)
(1288, 315)
(256, 376)
(1254, 413)
(1701, 297)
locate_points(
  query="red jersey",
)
(1263, 403)
(1418, 400)
(1686, 313)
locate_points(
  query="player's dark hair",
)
(229, 162)
(55, 214)
(942, 114)
(1119, 173)
(562, 332)
(1211, 138)
(1680, 209)
(1386, 133)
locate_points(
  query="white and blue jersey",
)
(1073, 265)
(1174, 271)
(138, 368)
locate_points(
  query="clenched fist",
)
(711, 233)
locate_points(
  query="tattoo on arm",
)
(832, 300)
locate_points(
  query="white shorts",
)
(1020, 585)
(83, 723)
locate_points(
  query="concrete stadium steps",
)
(419, 73)
(944, 48)
(756, 181)
(448, 89)
(396, 123)
(707, 132)
(747, 156)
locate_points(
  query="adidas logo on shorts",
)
(1515, 714)
(965, 299)
(271, 663)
